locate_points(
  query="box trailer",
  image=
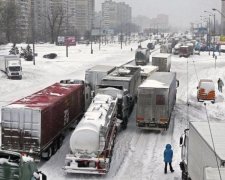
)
(127, 77)
(214, 173)
(197, 149)
(36, 124)
(11, 66)
(94, 75)
(163, 61)
(155, 101)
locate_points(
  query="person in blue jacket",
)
(168, 156)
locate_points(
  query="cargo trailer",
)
(94, 75)
(155, 101)
(35, 125)
(197, 151)
(163, 61)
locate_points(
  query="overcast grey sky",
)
(181, 12)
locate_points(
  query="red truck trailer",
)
(35, 125)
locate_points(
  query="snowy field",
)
(138, 154)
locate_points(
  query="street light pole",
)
(33, 31)
(214, 9)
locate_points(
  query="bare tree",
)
(56, 19)
(10, 21)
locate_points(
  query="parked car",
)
(206, 90)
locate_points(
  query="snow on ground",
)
(138, 154)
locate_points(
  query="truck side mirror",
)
(178, 83)
(181, 141)
(92, 94)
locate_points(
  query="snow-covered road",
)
(138, 154)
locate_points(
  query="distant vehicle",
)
(36, 125)
(142, 56)
(206, 90)
(14, 166)
(11, 65)
(191, 48)
(222, 48)
(50, 56)
(163, 61)
(199, 158)
(166, 48)
(156, 100)
(123, 82)
(151, 46)
(177, 49)
(184, 51)
(95, 74)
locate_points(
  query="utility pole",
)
(33, 30)
(67, 24)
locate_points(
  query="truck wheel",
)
(55, 147)
(60, 141)
(50, 152)
(124, 123)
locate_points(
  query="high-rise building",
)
(39, 18)
(22, 21)
(115, 14)
(84, 15)
(222, 18)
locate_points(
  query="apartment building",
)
(115, 14)
(84, 10)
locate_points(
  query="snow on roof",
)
(207, 85)
(218, 130)
(159, 80)
(143, 50)
(213, 173)
(163, 55)
(122, 75)
(45, 97)
(101, 68)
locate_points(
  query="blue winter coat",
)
(168, 154)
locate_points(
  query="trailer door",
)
(144, 107)
(21, 129)
(161, 106)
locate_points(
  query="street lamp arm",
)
(219, 12)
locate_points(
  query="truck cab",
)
(14, 166)
(11, 65)
(142, 56)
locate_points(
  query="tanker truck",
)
(92, 142)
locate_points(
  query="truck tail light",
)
(140, 118)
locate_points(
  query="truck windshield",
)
(139, 55)
(14, 68)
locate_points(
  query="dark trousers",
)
(171, 168)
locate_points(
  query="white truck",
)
(197, 151)
(92, 141)
(94, 75)
(163, 61)
(11, 65)
(155, 101)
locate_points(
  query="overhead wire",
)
(214, 149)
(210, 130)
